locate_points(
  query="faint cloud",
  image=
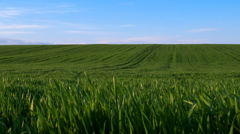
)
(81, 32)
(202, 30)
(89, 32)
(58, 10)
(9, 12)
(138, 40)
(7, 41)
(82, 26)
(130, 25)
(14, 32)
(21, 26)
(82, 43)
(154, 40)
(195, 41)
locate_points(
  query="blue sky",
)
(119, 21)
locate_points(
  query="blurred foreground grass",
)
(112, 105)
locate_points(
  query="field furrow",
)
(137, 58)
(189, 62)
(229, 52)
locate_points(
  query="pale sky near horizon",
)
(119, 22)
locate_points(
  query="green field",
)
(70, 60)
(120, 89)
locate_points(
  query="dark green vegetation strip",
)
(70, 60)
(120, 89)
